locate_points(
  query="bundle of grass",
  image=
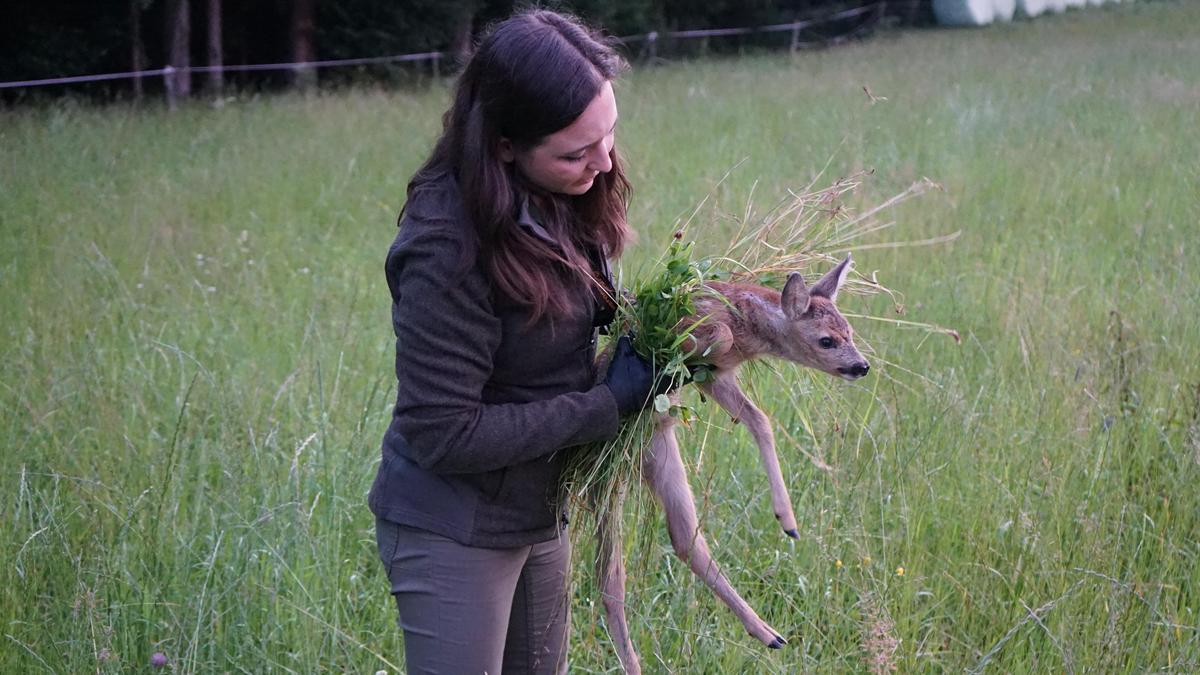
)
(651, 313)
(660, 312)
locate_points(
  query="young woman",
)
(499, 281)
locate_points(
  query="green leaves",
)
(660, 303)
(678, 267)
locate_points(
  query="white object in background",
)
(1076, 4)
(964, 12)
(1004, 9)
(1031, 8)
(1095, 3)
(1056, 6)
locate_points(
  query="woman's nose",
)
(601, 160)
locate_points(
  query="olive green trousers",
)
(474, 610)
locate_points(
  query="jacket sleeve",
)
(446, 334)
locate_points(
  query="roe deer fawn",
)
(741, 322)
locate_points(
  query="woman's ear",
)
(505, 150)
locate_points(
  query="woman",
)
(499, 281)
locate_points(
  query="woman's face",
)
(568, 160)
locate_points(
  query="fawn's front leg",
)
(725, 391)
(663, 471)
(610, 575)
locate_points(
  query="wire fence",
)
(649, 51)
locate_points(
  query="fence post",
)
(651, 49)
(437, 66)
(168, 75)
(795, 38)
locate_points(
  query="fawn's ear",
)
(795, 297)
(829, 284)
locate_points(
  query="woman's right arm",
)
(446, 335)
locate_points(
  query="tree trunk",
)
(462, 44)
(304, 49)
(137, 55)
(179, 82)
(216, 78)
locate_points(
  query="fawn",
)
(741, 322)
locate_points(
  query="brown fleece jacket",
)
(485, 406)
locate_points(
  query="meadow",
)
(196, 365)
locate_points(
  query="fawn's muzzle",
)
(856, 370)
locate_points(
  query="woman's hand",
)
(630, 378)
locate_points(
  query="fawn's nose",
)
(856, 370)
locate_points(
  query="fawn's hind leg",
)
(725, 391)
(663, 470)
(610, 575)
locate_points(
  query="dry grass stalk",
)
(879, 642)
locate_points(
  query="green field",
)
(195, 366)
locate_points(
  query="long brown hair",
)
(532, 75)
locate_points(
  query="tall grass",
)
(195, 367)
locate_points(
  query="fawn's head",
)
(815, 334)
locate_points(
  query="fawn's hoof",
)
(792, 533)
(762, 631)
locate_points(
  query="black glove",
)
(630, 378)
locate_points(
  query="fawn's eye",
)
(827, 343)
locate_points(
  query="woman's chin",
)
(576, 189)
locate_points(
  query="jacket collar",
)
(527, 220)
